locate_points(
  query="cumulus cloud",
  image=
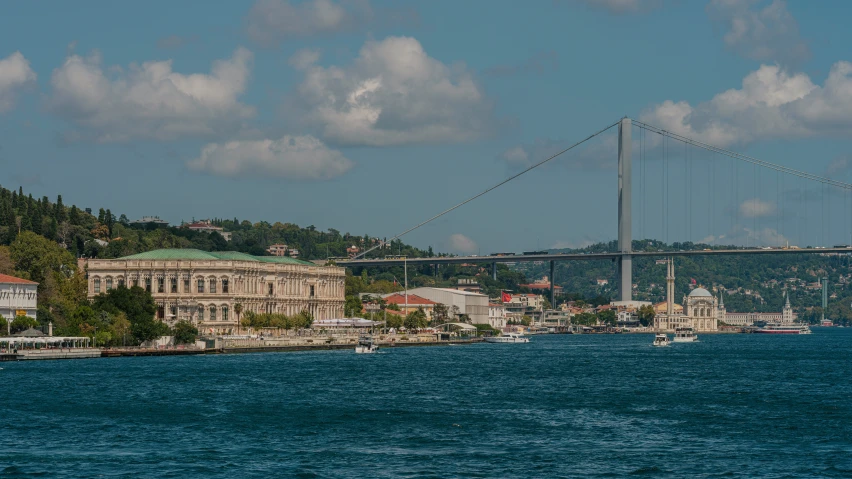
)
(294, 157)
(394, 94)
(764, 34)
(756, 208)
(620, 7)
(15, 73)
(772, 103)
(271, 21)
(462, 244)
(305, 58)
(149, 101)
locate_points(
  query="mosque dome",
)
(700, 292)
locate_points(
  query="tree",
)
(353, 306)
(22, 323)
(36, 256)
(440, 313)
(584, 319)
(238, 308)
(416, 319)
(139, 307)
(608, 317)
(184, 332)
(646, 315)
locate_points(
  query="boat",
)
(685, 335)
(661, 340)
(366, 345)
(784, 328)
(507, 338)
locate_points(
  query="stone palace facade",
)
(203, 287)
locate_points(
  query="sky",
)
(371, 116)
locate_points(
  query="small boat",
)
(685, 335)
(507, 338)
(661, 340)
(366, 345)
(784, 328)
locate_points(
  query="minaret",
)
(670, 277)
(787, 312)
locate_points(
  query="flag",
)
(505, 297)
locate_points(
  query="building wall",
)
(16, 297)
(472, 304)
(258, 287)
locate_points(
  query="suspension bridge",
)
(678, 162)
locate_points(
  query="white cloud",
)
(462, 244)
(840, 165)
(149, 101)
(15, 73)
(772, 103)
(295, 157)
(756, 208)
(304, 58)
(619, 7)
(271, 21)
(395, 94)
(764, 34)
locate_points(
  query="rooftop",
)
(187, 254)
(5, 278)
(413, 299)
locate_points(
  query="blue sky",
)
(369, 116)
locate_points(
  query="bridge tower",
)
(625, 234)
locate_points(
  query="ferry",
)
(685, 335)
(661, 340)
(507, 338)
(784, 328)
(366, 345)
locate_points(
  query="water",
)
(560, 406)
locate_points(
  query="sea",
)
(730, 405)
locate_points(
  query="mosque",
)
(702, 311)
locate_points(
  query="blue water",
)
(561, 406)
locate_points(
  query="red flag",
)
(506, 297)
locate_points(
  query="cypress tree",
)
(59, 210)
(101, 216)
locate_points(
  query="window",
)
(161, 312)
(173, 311)
(174, 285)
(109, 284)
(97, 285)
(270, 288)
(212, 285)
(225, 285)
(161, 284)
(186, 285)
(312, 291)
(212, 313)
(200, 285)
(120, 282)
(200, 313)
(135, 283)
(224, 313)
(148, 284)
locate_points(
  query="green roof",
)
(198, 255)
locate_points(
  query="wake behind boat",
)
(507, 338)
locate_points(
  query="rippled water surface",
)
(561, 406)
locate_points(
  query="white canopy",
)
(460, 325)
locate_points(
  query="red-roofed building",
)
(414, 302)
(18, 297)
(544, 284)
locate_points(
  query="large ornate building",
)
(205, 287)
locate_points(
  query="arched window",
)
(224, 312)
(212, 313)
(212, 285)
(120, 282)
(200, 312)
(200, 285)
(225, 285)
(109, 283)
(97, 285)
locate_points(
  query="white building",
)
(474, 305)
(18, 297)
(207, 227)
(497, 315)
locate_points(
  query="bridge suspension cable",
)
(746, 158)
(409, 230)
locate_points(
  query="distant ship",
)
(784, 328)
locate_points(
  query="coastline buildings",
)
(474, 305)
(18, 297)
(206, 227)
(205, 287)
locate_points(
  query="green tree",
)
(36, 257)
(416, 320)
(139, 307)
(21, 323)
(353, 306)
(184, 332)
(608, 317)
(646, 315)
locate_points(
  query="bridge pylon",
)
(625, 234)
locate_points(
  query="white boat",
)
(685, 335)
(661, 340)
(507, 338)
(366, 345)
(784, 328)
